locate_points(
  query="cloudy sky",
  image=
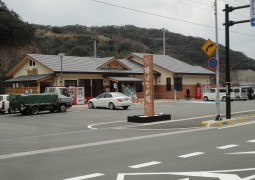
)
(187, 17)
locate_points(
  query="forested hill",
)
(17, 38)
(119, 41)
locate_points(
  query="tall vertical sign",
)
(148, 86)
(252, 6)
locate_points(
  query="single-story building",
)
(36, 71)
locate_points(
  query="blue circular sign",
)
(212, 63)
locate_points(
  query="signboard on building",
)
(252, 12)
(148, 86)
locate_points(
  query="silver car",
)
(110, 100)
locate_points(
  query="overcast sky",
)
(187, 17)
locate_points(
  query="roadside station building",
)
(35, 72)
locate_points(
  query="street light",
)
(61, 55)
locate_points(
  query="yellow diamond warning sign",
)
(209, 47)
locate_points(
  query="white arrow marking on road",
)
(86, 176)
(191, 154)
(193, 174)
(145, 164)
(227, 146)
(249, 152)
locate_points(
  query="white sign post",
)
(252, 12)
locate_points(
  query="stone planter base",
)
(149, 119)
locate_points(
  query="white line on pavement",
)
(249, 178)
(227, 146)
(91, 126)
(145, 164)
(86, 176)
(79, 146)
(252, 141)
(237, 125)
(191, 154)
(249, 152)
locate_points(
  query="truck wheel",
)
(62, 108)
(11, 111)
(34, 110)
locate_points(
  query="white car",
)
(110, 100)
(211, 95)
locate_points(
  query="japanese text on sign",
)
(148, 86)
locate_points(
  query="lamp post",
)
(61, 55)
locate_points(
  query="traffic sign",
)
(209, 47)
(212, 63)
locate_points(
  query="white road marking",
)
(184, 179)
(249, 178)
(193, 174)
(249, 152)
(91, 126)
(145, 164)
(191, 154)
(79, 146)
(251, 141)
(162, 122)
(237, 125)
(227, 146)
(86, 176)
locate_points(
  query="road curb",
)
(234, 120)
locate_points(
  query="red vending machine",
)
(199, 93)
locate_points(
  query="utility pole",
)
(218, 118)
(164, 41)
(95, 49)
(227, 24)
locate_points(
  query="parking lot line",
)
(86, 176)
(191, 154)
(227, 146)
(145, 164)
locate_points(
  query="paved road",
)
(100, 144)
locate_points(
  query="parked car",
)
(241, 93)
(4, 104)
(211, 95)
(110, 100)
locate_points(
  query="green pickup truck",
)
(54, 99)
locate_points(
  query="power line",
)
(167, 17)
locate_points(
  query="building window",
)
(70, 83)
(139, 87)
(178, 83)
(168, 84)
(32, 63)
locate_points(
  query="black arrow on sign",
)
(211, 45)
